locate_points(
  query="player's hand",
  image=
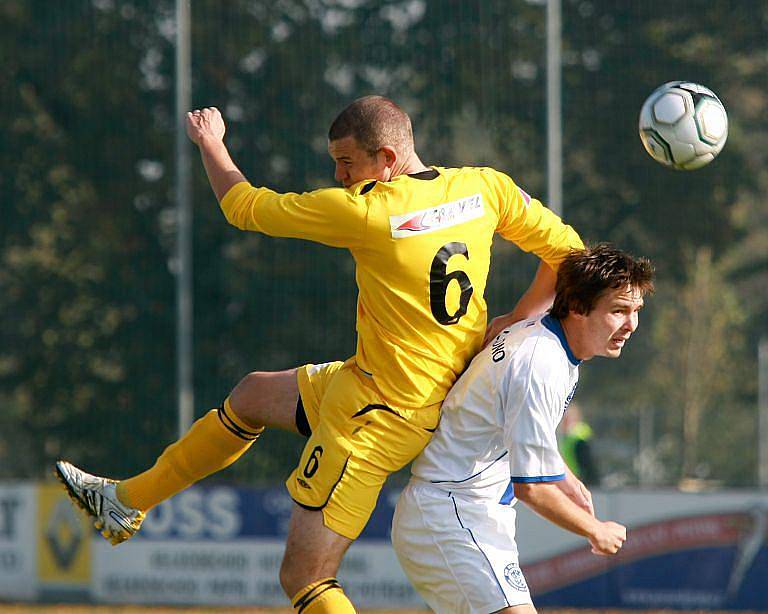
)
(497, 325)
(205, 124)
(608, 538)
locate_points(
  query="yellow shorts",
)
(357, 440)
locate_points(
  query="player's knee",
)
(264, 398)
(292, 577)
(298, 570)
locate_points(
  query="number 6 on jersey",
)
(439, 279)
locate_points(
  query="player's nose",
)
(631, 322)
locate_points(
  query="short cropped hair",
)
(586, 274)
(374, 121)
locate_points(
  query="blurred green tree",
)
(87, 233)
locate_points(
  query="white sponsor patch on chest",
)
(436, 218)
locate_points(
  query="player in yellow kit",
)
(421, 239)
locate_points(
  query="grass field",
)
(94, 609)
(134, 609)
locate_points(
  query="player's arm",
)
(533, 395)
(206, 130)
(549, 501)
(531, 226)
(573, 488)
(332, 216)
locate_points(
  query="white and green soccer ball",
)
(683, 125)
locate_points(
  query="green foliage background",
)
(87, 220)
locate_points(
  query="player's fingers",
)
(491, 331)
(611, 547)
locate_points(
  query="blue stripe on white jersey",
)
(509, 493)
(471, 477)
(537, 478)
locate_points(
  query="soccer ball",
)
(683, 125)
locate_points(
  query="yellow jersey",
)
(422, 246)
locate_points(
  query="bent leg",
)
(267, 399)
(218, 439)
(312, 557)
(355, 443)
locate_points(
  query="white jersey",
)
(453, 532)
(498, 422)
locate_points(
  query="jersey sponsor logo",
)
(514, 577)
(497, 347)
(436, 218)
(315, 369)
(569, 398)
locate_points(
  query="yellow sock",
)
(215, 441)
(323, 597)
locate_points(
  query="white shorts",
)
(459, 552)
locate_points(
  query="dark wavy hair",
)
(586, 274)
(374, 121)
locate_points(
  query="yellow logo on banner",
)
(64, 538)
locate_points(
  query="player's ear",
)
(390, 155)
(577, 314)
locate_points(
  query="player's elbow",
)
(236, 214)
(533, 493)
(235, 221)
(525, 492)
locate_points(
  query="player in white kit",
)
(454, 525)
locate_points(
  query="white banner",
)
(174, 572)
(18, 562)
(223, 546)
(235, 573)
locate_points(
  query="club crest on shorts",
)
(514, 577)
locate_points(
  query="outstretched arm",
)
(537, 299)
(549, 501)
(330, 216)
(206, 130)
